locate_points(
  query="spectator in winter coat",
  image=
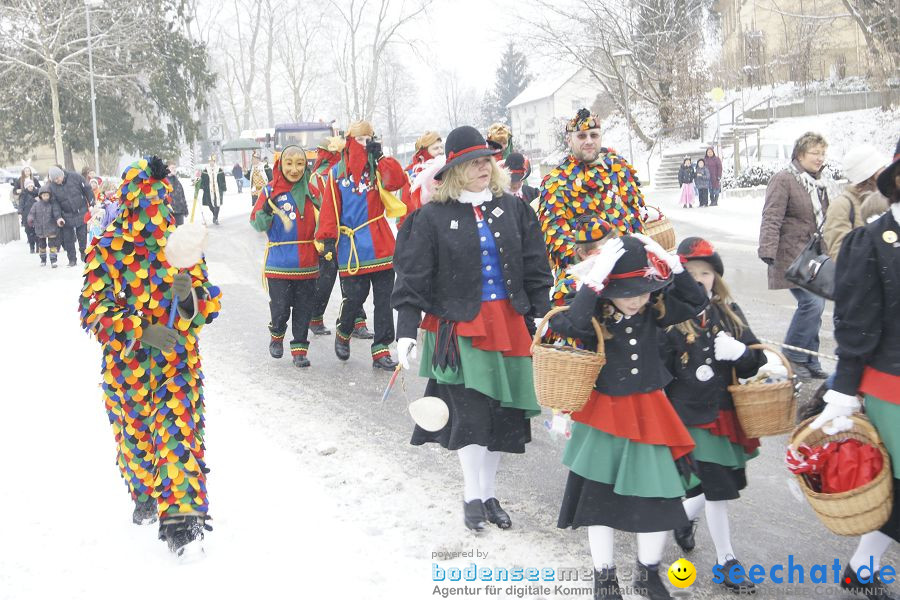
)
(686, 181)
(238, 175)
(702, 182)
(27, 198)
(714, 164)
(797, 200)
(179, 202)
(862, 165)
(17, 189)
(44, 217)
(74, 196)
(874, 204)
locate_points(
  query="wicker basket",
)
(857, 511)
(661, 231)
(564, 377)
(765, 408)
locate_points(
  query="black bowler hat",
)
(518, 166)
(696, 248)
(636, 272)
(463, 144)
(885, 181)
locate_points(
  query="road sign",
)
(215, 133)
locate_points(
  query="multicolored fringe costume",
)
(608, 187)
(154, 399)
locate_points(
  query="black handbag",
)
(813, 270)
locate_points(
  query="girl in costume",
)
(292, 262)
(867, 332)
(428, 146)
(700, 355)
(626, 439)
(152, 380)
(474, 261)
(686, 176)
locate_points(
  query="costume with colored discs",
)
(154, 398)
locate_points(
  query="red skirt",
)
(727, 425)
(646, 418)
(883, 386)
(496, 328)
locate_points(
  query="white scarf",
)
(813, 187)
(214, 199)
(475, 198)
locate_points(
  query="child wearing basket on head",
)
(627, 437)
(702, 354)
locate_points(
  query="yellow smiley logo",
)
(682, 573)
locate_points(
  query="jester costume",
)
(607, 186)
(291, 264)
(353, 223)
(154, 399)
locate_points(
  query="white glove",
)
(603, 263)
(727, 348)
(838, 408)
(406, 350)
(672, 260)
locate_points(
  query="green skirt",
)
(719, 449)
(507, 379)
(885, 416)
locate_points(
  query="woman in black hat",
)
(473, 260)
(626, 440)
(700, 354)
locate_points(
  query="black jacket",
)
(26, 201)
(204, 186)
(633, 361)
(686, 174)
(43, 217)
(867, 303)
(698, 402)
(438, 261)
(74, 197)
(179, 202)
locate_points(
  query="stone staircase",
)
(667, 172)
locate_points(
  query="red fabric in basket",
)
(836, 467)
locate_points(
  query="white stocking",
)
(874, 545)
(488, 474)
(602, 541)
(471, 458)
(650, 547)
(719, 529)
(692, 506)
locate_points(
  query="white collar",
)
(475, 198)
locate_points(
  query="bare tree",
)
(879, 21)
(396, 98)
(461, 105)
(367, 27)
(296, 52)
(240, 56)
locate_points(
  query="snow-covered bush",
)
(760, 174)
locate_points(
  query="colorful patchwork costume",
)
(154, 399)
(607, 186)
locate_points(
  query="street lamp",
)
(623, 55)
(87, 15)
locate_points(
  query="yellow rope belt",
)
(266, 256)
(354, 252)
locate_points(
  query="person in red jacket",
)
(353, 223)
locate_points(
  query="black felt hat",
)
(885, 181)
(636, 272)
(696, 248)
(518, 166)
(464, 144)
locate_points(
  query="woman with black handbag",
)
(794, 211)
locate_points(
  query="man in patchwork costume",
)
(592, 179)
(152, 380)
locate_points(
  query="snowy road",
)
(314, 489)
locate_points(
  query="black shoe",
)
(184, 534)
(276, 348)
(44, 264)
(300, 361)
(52, 265)
(743, 586)
(385, 362)
(496, 514)
(874, 589)
(72, 263)
(319, 330)
(648, 583)
(144, 512)
(341, 348)
(816, 372)
(362, 333)
(473, 515)
(684, 536)
(606, 585)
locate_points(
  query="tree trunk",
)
(68, 159)
(270, 43)
(57, 118)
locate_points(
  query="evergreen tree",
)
(512, 78)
